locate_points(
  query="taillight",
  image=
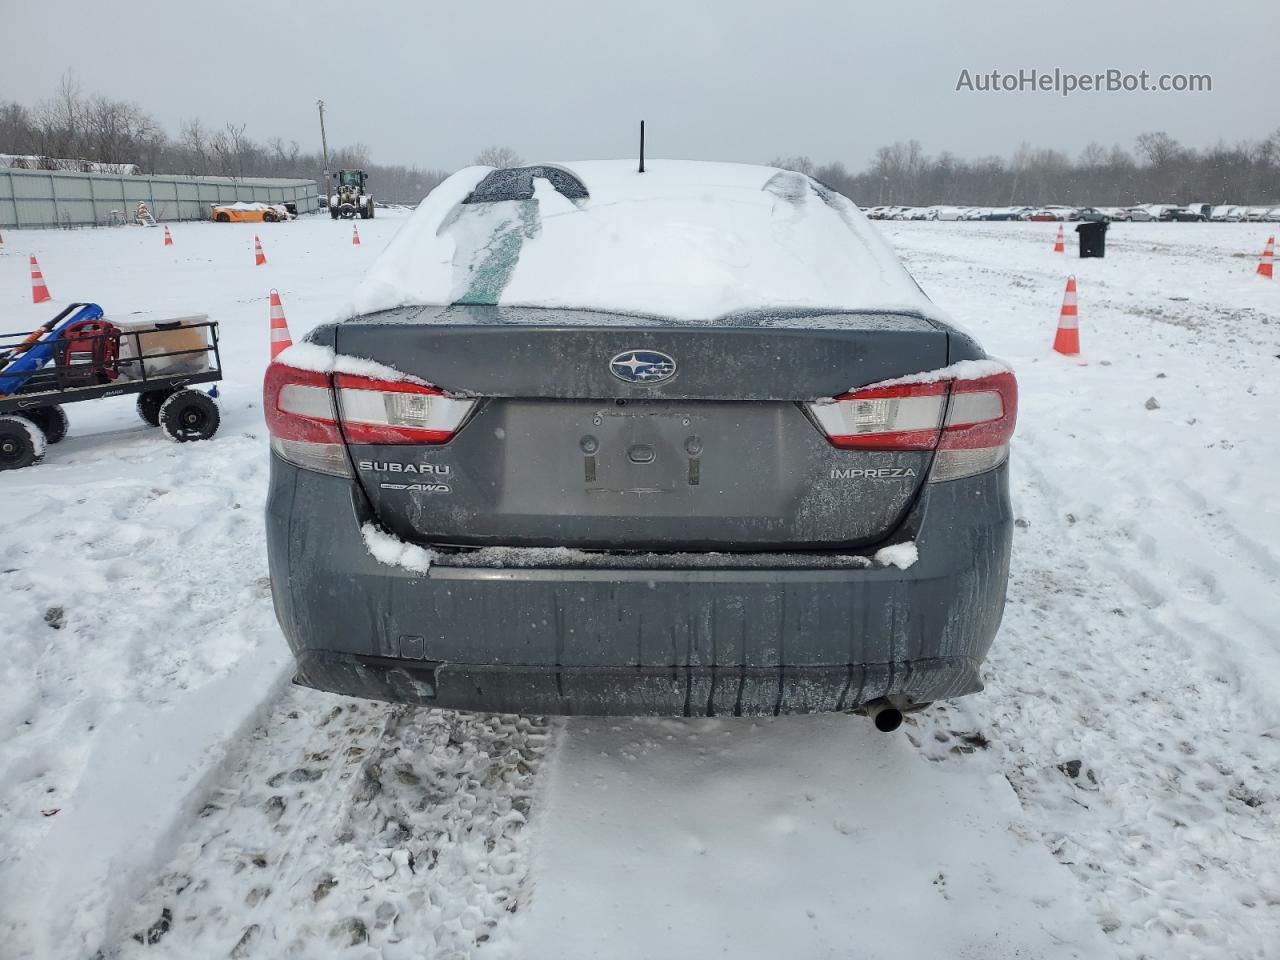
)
(980, 420)
(311, 416)
(901, 417)
(302, 421)
(968, 422)
(391, 411)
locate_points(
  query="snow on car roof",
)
(246, 205)
(686, 239)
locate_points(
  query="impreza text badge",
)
(642, 366)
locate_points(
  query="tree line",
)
(70, 125)
(1158, 169)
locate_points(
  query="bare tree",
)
(798, 164)
(496, 156)
(195, 141)
(1157, 148)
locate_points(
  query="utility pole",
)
(324, 147)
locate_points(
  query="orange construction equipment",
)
(1060, 245)
(355, 236)
(1268, 258)
(280, 339)
(168, 238)
(259, 258)
(1067, 342)
(39, 292)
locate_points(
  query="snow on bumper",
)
(694, 634)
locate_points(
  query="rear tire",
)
(52, 420)
(269, 217)
(189, 415)
(21, 443)
(149, 405)
(223, 218)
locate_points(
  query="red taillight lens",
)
(393, 412)
(312, 416)
(903, 417)
(980, 421)
(298, 405)
(982, 413)
(969, 422)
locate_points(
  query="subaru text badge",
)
(642, 366)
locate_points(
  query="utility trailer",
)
(80, 355)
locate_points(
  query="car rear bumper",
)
(636, 691)
(636, 634)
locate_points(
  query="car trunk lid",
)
(562, 447)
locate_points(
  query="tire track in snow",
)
(351, 825)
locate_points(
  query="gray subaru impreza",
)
(688, 441)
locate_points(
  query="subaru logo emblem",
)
(642, 366)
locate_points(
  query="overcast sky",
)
(430, 83)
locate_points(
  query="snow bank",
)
(394, 552)
(685, 240)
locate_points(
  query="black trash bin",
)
(1093, 239)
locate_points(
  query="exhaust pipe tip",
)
(884, 715)
(888, 720)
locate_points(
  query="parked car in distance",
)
(657, 517)
(1092, 214)
(1043, 215)
(1225, 213)
(1116, 213)
(1139, 214)
(1182, 215)
(1008, 213)
(1273, 215)
(1256, 214)
(243, 212)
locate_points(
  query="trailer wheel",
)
(52, 420)
(21, 443)
(149, 405)
(223, 217)
(189, 415)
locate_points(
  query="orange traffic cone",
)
(39, 292)
(1060, 245)
(355, 236)
(259, 258)
(168, 239)
(280, 339)
(1268, 258)
(1067, 341)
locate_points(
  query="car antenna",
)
(642, 146)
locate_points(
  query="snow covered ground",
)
(164, 792)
